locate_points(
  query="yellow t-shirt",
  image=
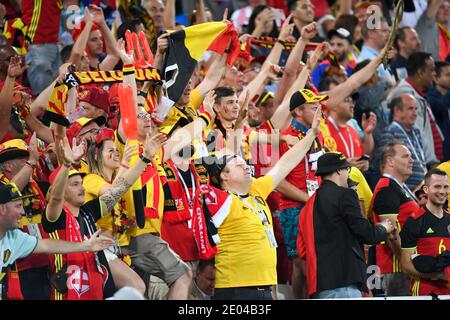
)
(175, 114)
(362, 189)
(245, 257)
(152, 225)
(445, 166)
(92, 184)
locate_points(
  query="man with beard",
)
(425, 239)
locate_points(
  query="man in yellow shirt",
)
(246, 258)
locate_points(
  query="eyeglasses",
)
(144, 116)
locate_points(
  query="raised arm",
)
(80, 44)
(126, 180)
(345, 89)
(433, 8)
(291, 69)
(22, 178)
(213, 75)
(183, 137)
(56, 201)
(285, 32)
(169, 14)
(296, 154)
(6, 95)
(112, 57)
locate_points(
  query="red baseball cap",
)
(99, 98)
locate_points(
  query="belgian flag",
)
(188, 45)
(55, 108)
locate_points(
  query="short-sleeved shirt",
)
(389, 199)
(245, 256)
(430, 236)
(14, 245)
(92, 184)
(334, 142)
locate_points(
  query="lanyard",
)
(260, 213)
(401, 185)
(413, 149)
(351, 152)
(186, 189)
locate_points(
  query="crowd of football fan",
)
(261, 149)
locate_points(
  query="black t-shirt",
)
(90, 212)
(428, 233)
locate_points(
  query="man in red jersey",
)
(43, 58)
(425, 239)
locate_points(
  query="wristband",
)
(31, 165)
(283, 43)
(144, 159)
(67, 165)
(128, 69)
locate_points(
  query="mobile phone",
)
(364, 157)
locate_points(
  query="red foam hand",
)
(147, 51)
(127, 111)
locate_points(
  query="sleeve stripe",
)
(411, 248)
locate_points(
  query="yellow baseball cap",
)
(304, 96)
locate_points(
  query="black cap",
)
(214, 166)
(9, 192)
(341, 33)
(330, 162)
(303, 96)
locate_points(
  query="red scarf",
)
(84, 281)
(216, 203)
(176, 204)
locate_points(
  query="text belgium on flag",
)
(188, 45)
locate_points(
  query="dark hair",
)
(348, 22)
(127, 25)
(202, 264)
(223, 92)
(388, 150)
(435, 171)
(417, 62)
(65, 53)
(397, 102)
(360, 65)
(439, 66)
(251, 22)
(401, 35)
(326, 82)
(292, 5)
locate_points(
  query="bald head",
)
(404, 110)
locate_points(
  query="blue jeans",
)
(43, 62)
(345, 292)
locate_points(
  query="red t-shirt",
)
(347, 142)
(42, 18)
(297, 176)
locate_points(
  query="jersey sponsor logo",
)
(430, 230)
